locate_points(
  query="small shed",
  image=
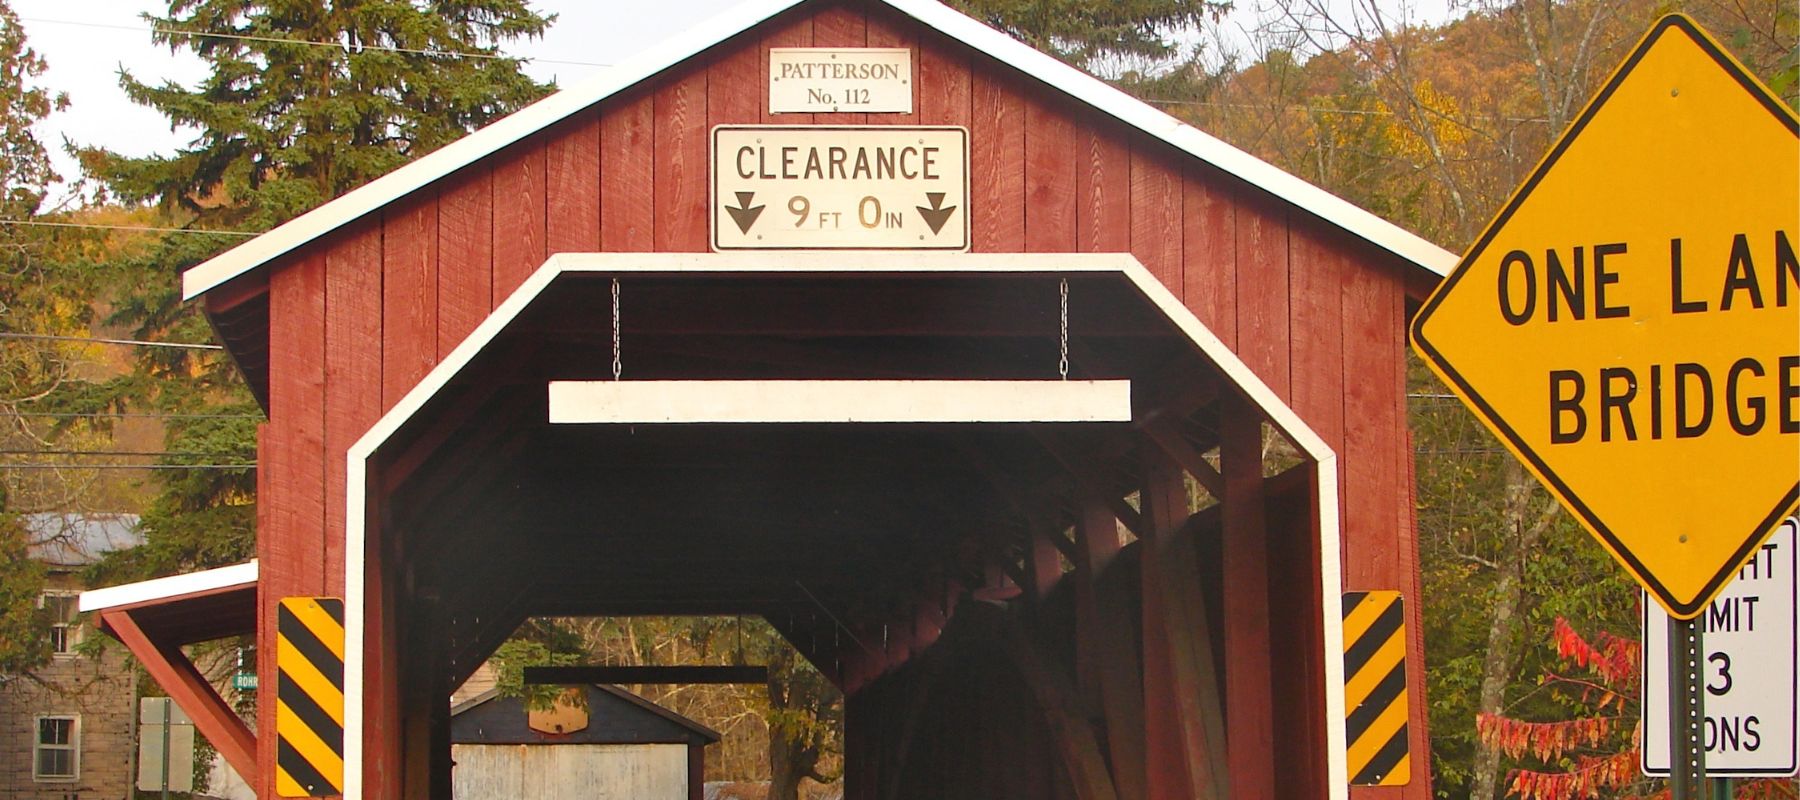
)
(620, 747)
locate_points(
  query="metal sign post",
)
(1687, 711)
(1748, 683)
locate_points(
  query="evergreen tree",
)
(29, 370)
(307, 100)
(1107, 37)
(304, 100)
(24, 628)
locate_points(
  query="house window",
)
(64, 633)
(57, 755)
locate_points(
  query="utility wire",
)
(1364, 112)
(104, 340)
(137, 453)
(123, 415)
(134, 228)
(127, 466)
(281, 40)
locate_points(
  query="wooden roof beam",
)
(188, 688)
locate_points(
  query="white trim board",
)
(1289, 423)
(131, 594)
(707, 33)
(838, 401)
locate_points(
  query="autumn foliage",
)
(1596, 753)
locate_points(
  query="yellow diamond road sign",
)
(1629, 325)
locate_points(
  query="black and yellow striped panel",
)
(1375, 705)
(309, 711)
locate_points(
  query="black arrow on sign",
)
(745, 214)
(936, 215)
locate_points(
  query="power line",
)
(126, 465)
(136, 453)
(125, 415)
(1366, 112)
(104, 340)
(134, 228)
(281, 40)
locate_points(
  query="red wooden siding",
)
(359, 317)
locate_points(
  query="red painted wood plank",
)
(352, 368)
(1165, 762)
(681, 163)
(1157, 226)
(1050, 152)
(1103, 190)
(1373, 479)
(627, 174)
(1317, 271)
(408, 294)
(792, 29)
(269, 451)
(1298, 673)
(1419, 721)
(1380, 550)
(732, 81)
(382, 740)
(945, 84)
(518, 215)
(572, 185)
(886, 28)
(292, 547)
(997, 168)
(1106, 648)
(1173, 583)
(1209, 249)
(1262, 288)
(466, 250)
(840, 25)
(1249, 713)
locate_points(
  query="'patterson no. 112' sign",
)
(1629, 325)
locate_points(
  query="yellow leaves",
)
(1427, 126)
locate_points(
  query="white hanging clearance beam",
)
(653, 402)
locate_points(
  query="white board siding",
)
(570, 771)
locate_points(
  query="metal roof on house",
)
(1047, 70)
(78, 540)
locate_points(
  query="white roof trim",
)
(550, 110)
(131, 594)
(357, 459)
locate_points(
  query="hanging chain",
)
(1062, 365)
(618, 366)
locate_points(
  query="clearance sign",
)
(1629, 325)
(828, 187)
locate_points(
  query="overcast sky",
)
(87, 42)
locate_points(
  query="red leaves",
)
(1590, 775)
(1545, 741)
(1613, 661)
(1613, 658)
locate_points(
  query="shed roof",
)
(1074, 83)
(616, 717)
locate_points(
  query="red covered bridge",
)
(1087, 548)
